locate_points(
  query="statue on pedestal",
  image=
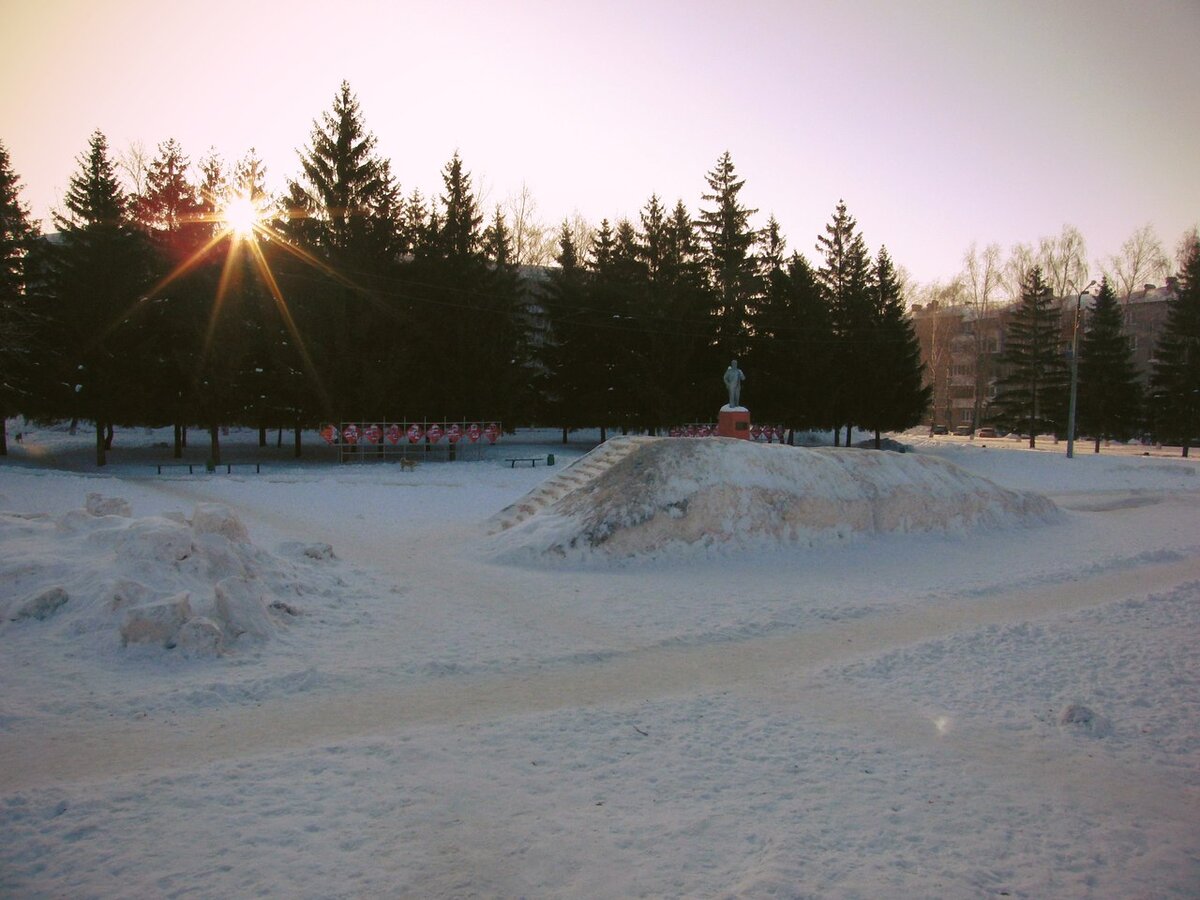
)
(733, 380)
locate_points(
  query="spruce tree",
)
(1110, 394)
(895, 396)
(347, 189)
(727, 239)
(563, 300)
(1032, 390)
(845, 281)
(100, 272)
(1175, 381)
(171, 212)
(19, 355)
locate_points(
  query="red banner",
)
(415, 433)
(434, 433)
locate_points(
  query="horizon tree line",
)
(351, 300)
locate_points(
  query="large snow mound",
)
(668, 497)
(194, 585)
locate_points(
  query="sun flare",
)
(241, 216)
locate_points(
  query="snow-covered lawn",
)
(582, 681)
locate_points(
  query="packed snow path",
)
(63, 754)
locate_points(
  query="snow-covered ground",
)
(474, 680)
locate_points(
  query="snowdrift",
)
(197, 585)
(667, 497)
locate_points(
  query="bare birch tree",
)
(1141, 259)
(1064, 261)
(1021, 260)
(134, 164)
(982, 279)
(532, 242)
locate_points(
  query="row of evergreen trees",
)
(351, 301)
(1033, 390)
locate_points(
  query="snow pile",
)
(664, 497)
(197, 585)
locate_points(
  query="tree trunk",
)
(108, 435)
(262, 435)
(1097, 450)
(791, 437)
(214, 445)
(564, 434)
(178, 451)
(296, 440)
(3, 435)
(849, 434)
(878, 440)
(837, 436)
(279, 439)
(100, 458)
(603, 433)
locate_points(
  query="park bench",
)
(513, 460)
(192, 466)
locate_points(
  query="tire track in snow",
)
(43, 756)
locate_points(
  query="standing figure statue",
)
(733, 380)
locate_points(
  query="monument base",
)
(734, 422)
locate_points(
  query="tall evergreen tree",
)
(173, 215)
(1033, 387)
(845, 281)
(346, 209)
(1110, 394)
(458, 233)
(347, 188)
(564, 301)
(100, 273)
(18, 355)
(1175, 381)
(895, 397)
(727, 239)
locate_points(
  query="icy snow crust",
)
(670, 497)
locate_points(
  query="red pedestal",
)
(734, 422)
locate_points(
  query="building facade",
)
(961, 349)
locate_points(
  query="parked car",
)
(964, 430)
(986, 431)
(939, 429)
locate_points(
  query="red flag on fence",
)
(329, 433)
(454, 432)
(350, 433)
(434, 433)
(415, 433)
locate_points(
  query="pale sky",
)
(940, 122)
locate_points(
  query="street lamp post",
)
(1074, 373)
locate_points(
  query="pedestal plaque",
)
(734, 422)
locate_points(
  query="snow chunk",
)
(1085, 719)
(241, 610)
(156, 623)
(200, 637)
(41, 605)
(99, 505)
(212, 518)
(665, 497)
